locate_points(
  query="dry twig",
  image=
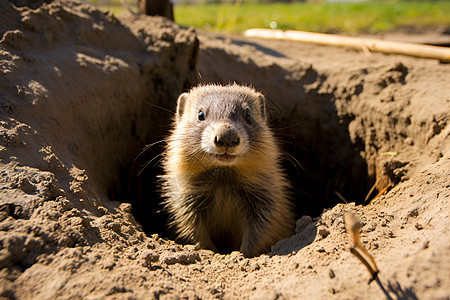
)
(354, 225)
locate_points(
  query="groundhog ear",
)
(181, 104)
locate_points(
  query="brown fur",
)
(223, 184)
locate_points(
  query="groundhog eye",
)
(248, 117)
(201, 116)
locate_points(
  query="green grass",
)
(350, 18)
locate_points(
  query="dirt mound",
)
(84, 91)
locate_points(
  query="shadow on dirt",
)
(396, 291)
(297, 242)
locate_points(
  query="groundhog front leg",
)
(253, 241)
(203, 237)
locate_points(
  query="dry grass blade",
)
(370, 192)
(386, 188)
(341, 197)
(354, 225)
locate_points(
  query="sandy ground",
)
(81, 95)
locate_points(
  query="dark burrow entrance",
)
(319, 158)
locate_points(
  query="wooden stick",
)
(376, 45)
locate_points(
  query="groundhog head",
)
(222, 125)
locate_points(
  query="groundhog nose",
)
(227, 137)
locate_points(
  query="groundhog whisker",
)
(148, 147)
(145, 166)
(294, 144)
(292, 160)
(160, 107)
(162, 157)
(276, 129)
(150, 161)
(201, 156)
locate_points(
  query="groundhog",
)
(223, 186)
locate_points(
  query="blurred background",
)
(326, 16)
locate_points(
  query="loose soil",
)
(83, 92)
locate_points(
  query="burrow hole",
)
(319, 159)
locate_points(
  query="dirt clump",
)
(82, 92)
